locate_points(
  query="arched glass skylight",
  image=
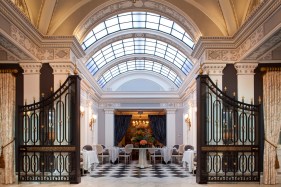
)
(138, 46)
(139, 65)
(137, 20)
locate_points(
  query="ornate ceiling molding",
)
(119, 6)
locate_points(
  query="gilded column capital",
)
(213, 69)
(62, 68)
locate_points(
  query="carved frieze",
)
(13, 49)
(267, 45)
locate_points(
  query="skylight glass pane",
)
(153, 18)
(111, 21)
(113, 29)
(139, 24)
(99, 28)
(166, 22)
(139, 16)
(89, 35)
(124, 26)
(125, 18)
(89, 42)
(165, 29)
(177, 34)
(101, 34)
(178, 28)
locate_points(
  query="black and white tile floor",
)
(130, 170)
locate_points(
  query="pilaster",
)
(215, 72)
(245, 81)
(109, 127)
(171, 127)
(31, 81)
(61, 71)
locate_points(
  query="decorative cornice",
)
(108, 111)
(31, 68)
(245, 68)
(244, 41)
(213, 69)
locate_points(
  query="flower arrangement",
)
(142, 137)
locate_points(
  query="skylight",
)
(138, 46)
(137, 20)
(141, 65)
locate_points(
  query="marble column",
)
(61, 71)
(215, 72)
(245, 81)
(31, 82)
(171, 127)
(109, 127)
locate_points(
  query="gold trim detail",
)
(228, 148)
(49, 149)
(8, 71)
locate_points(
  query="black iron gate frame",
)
(228, 136)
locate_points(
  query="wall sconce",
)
(187, 121)
(82, 111)
(92, 121)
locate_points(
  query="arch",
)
(139, 65)
(136, 20)
(138, 46)
(114, 7)
(136, 33)
(140, 57)
(116, 83)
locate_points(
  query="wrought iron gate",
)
(228, 136)
(49, 136)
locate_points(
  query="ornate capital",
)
(245, 68)
(171, 111)
(62, 68)
(213, 69)
(31, 68)
(109, 111)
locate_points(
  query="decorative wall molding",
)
(114, 7)
(213, 69)
(245, 68)
(31, 68)
(108, 111)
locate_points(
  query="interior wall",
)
(179, 126)
(229, 79)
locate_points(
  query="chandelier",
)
(140, 123)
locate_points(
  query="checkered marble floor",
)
(130, 170)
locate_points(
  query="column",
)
(109, 127)
(31, 81)
(215, 72)
(171, 127)
(61, 71)
(245, 81)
